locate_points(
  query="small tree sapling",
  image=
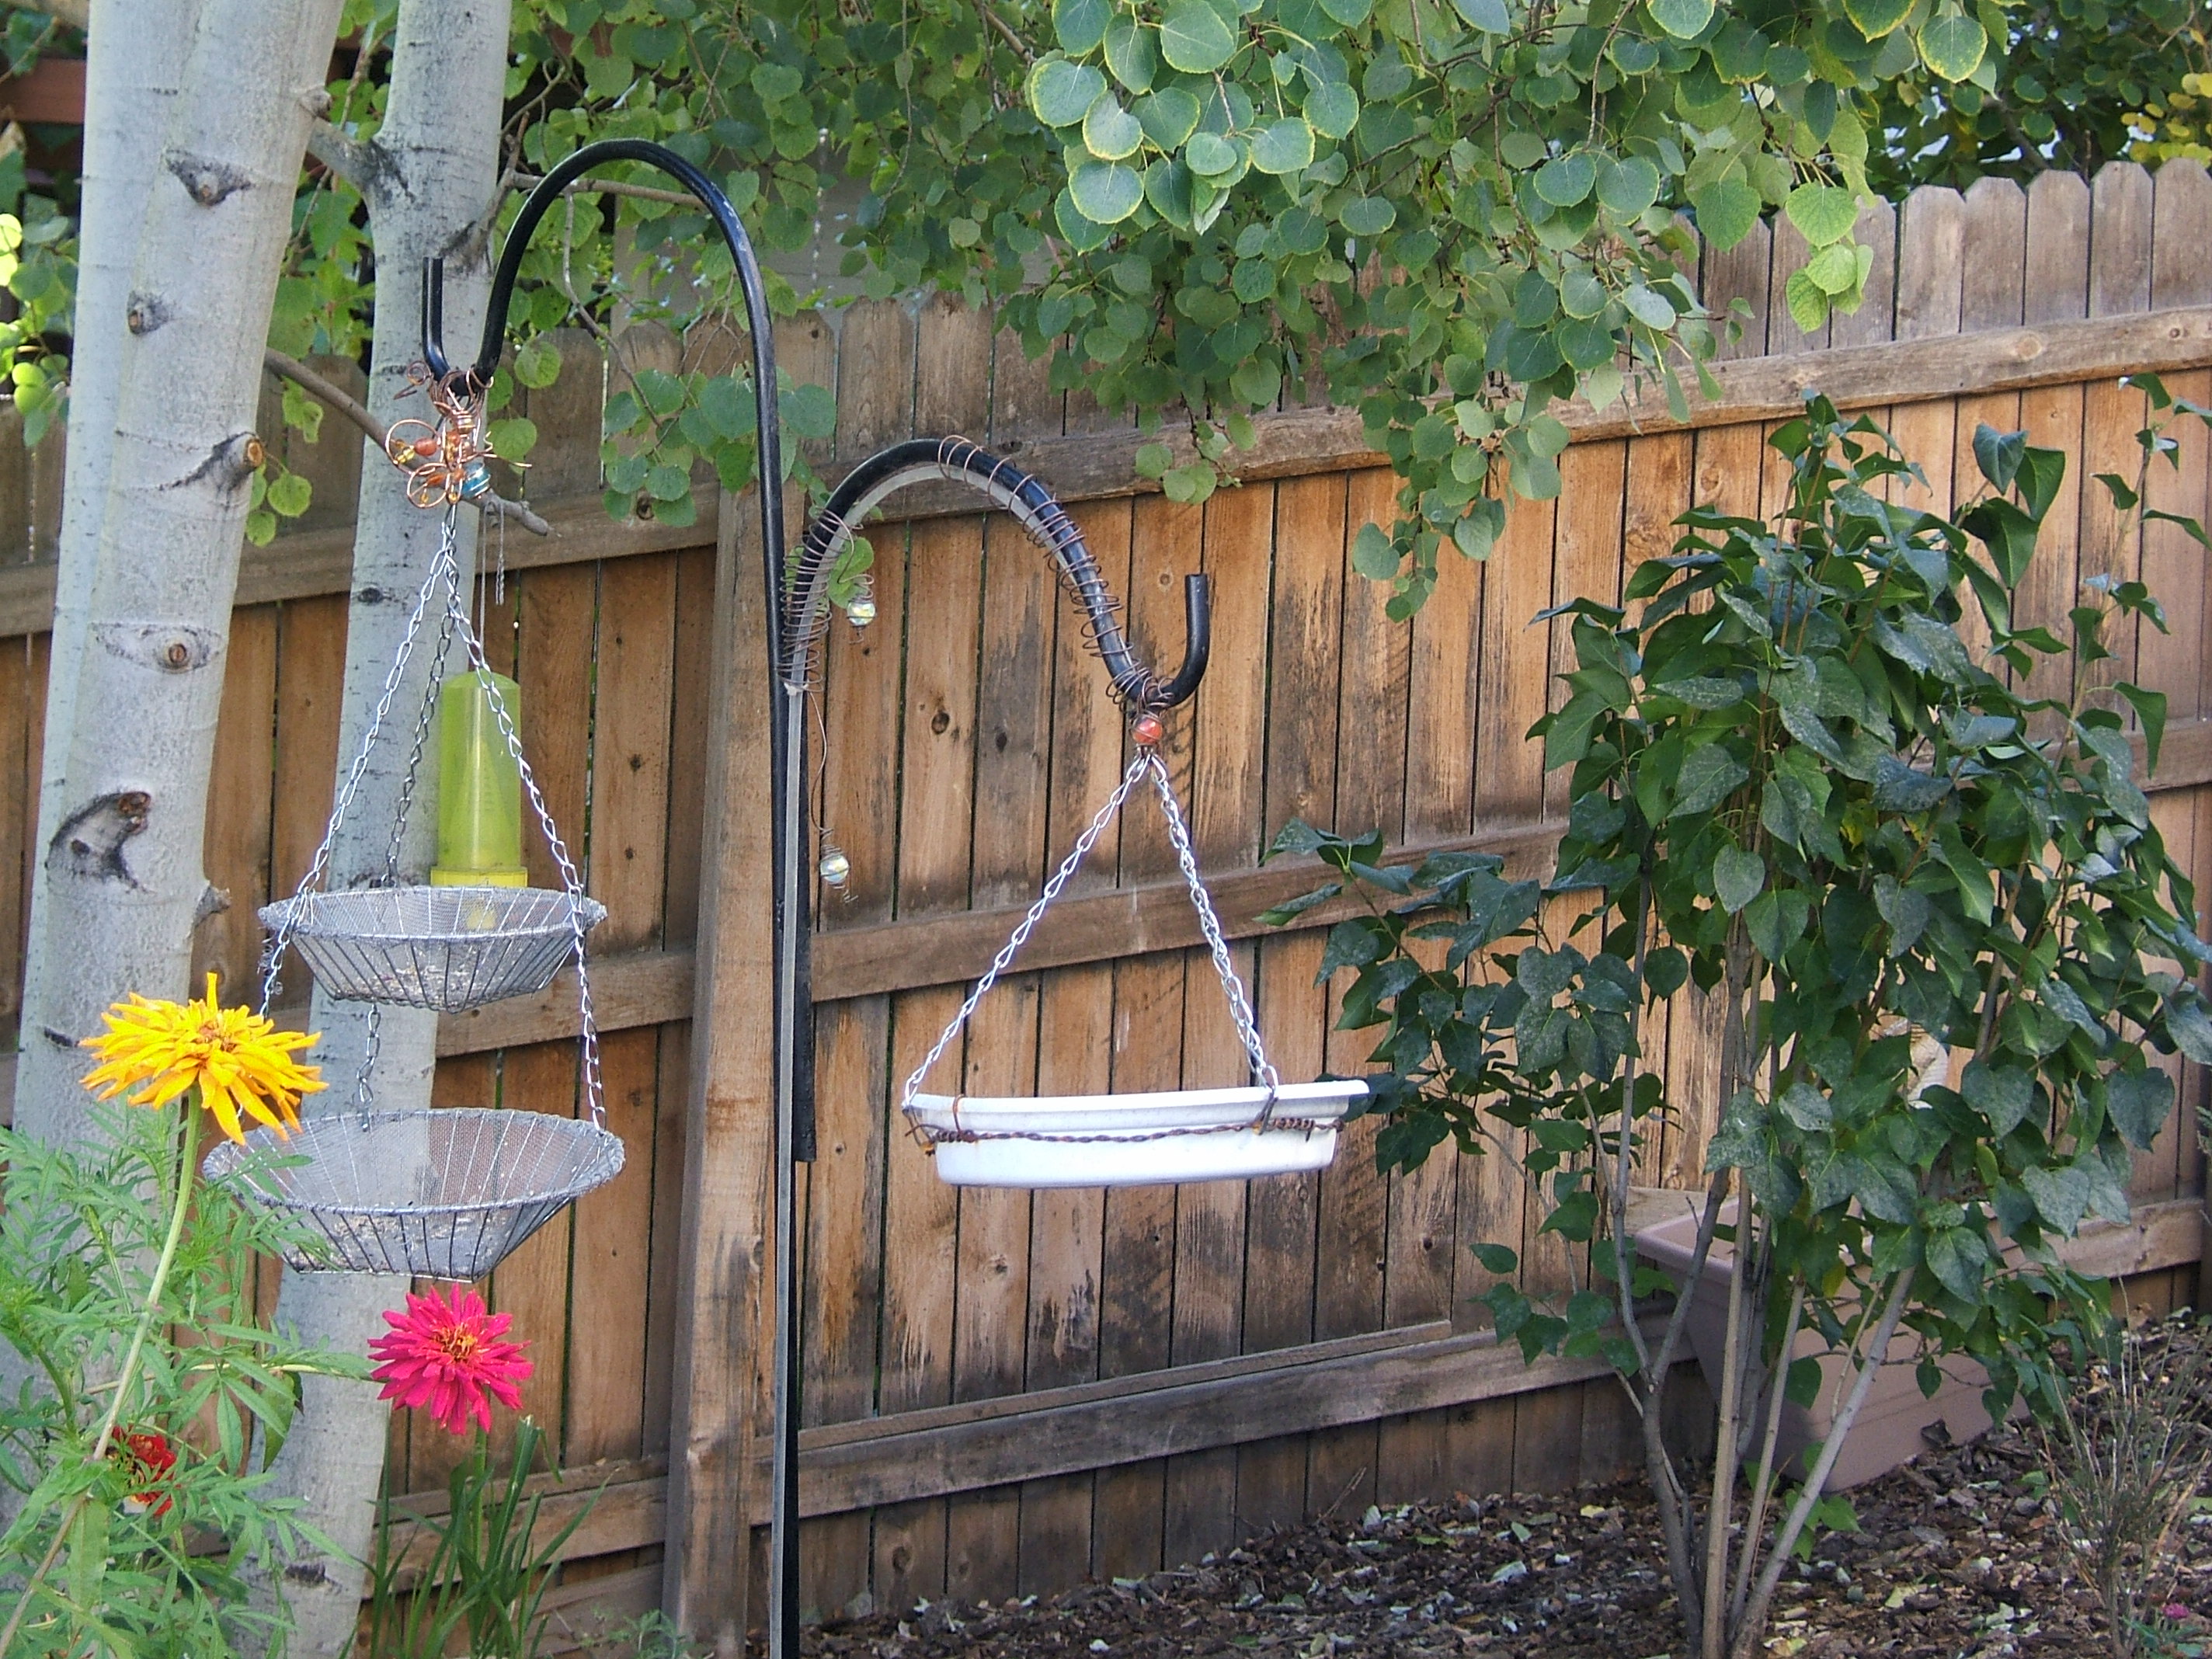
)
(1830, 773)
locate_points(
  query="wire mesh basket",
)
(446, 949)
(445, 1193)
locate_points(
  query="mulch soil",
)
(1957, 1556)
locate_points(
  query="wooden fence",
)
(1007, 1391)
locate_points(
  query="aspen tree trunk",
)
(429, 177)
(119, 881)
(134, 57)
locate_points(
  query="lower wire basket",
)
(442, 1193)
(448, 949)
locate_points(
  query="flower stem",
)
(187, 1151)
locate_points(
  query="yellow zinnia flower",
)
(235, 1058)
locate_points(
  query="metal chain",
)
(571, 881)
(1147, 765)
(1022, 929)
(1240, 1008)
(272, 957)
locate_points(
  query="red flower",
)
(147, 1457)
(445, 1357)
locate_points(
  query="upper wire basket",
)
(440, 1195)
(447, 949)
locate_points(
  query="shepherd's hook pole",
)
(793, 1080)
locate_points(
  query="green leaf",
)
(1726, 210)
(1479, 529)
(1565, 179)
(1373, 554)
(1807, 300)
(1333, 109)
(1683, 19)
(2138, 1103)
(1495, 1258)
(1284, 146)
(1807, 1107)
(289, 494)
(1080, 24)
(1111, 133)
(537, 362)
(1130, 53)
(1999, 454)
(511, 439)
(1708, 777)
(1209, 154)
(2003, 1094)
(1169, 115)
(1105, 192)
(1739, 874)
(1061, 93)
(1367, 216)
(2189, 1024)
(1194, 40)
(1648, 305)
(1824, 213)
(1876, 18)
(1628, 185)
(1906, 911)
(810, 411)
(2062, 1195)
(1901, 788)
(1953, 45)
(1488, 16)
(2150, 709)
(1349, 13)
(1959, 1257)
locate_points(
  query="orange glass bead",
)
(1148, 731)
(426, 446)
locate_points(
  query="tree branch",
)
(609, 188)
(336, 398)
(361, 162)
(1005, 32)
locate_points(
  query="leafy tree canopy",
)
(1450, 214)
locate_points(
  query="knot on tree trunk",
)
(228, 465)
(170, 648)
(89, 845)
(207, 181)
(145, 312)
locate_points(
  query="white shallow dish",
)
(1116, 1140)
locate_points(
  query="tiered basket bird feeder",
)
(443, 1194)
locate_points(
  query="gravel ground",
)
(1958, 1557)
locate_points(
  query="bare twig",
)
(1005, 32)
(336, 398)
(609, 188)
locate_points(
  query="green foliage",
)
(2080, 83)
(78, 1239)
(1449, 216)
(1797, 785)
(485, 1573)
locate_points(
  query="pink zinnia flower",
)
(445, 1357)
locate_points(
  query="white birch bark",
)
(135, 59)
(428, 177)
(120, 879)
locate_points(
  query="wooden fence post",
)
(722, 1264)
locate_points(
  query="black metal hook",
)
(806, 609)
(794, 1047)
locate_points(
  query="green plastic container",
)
(479, 786)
